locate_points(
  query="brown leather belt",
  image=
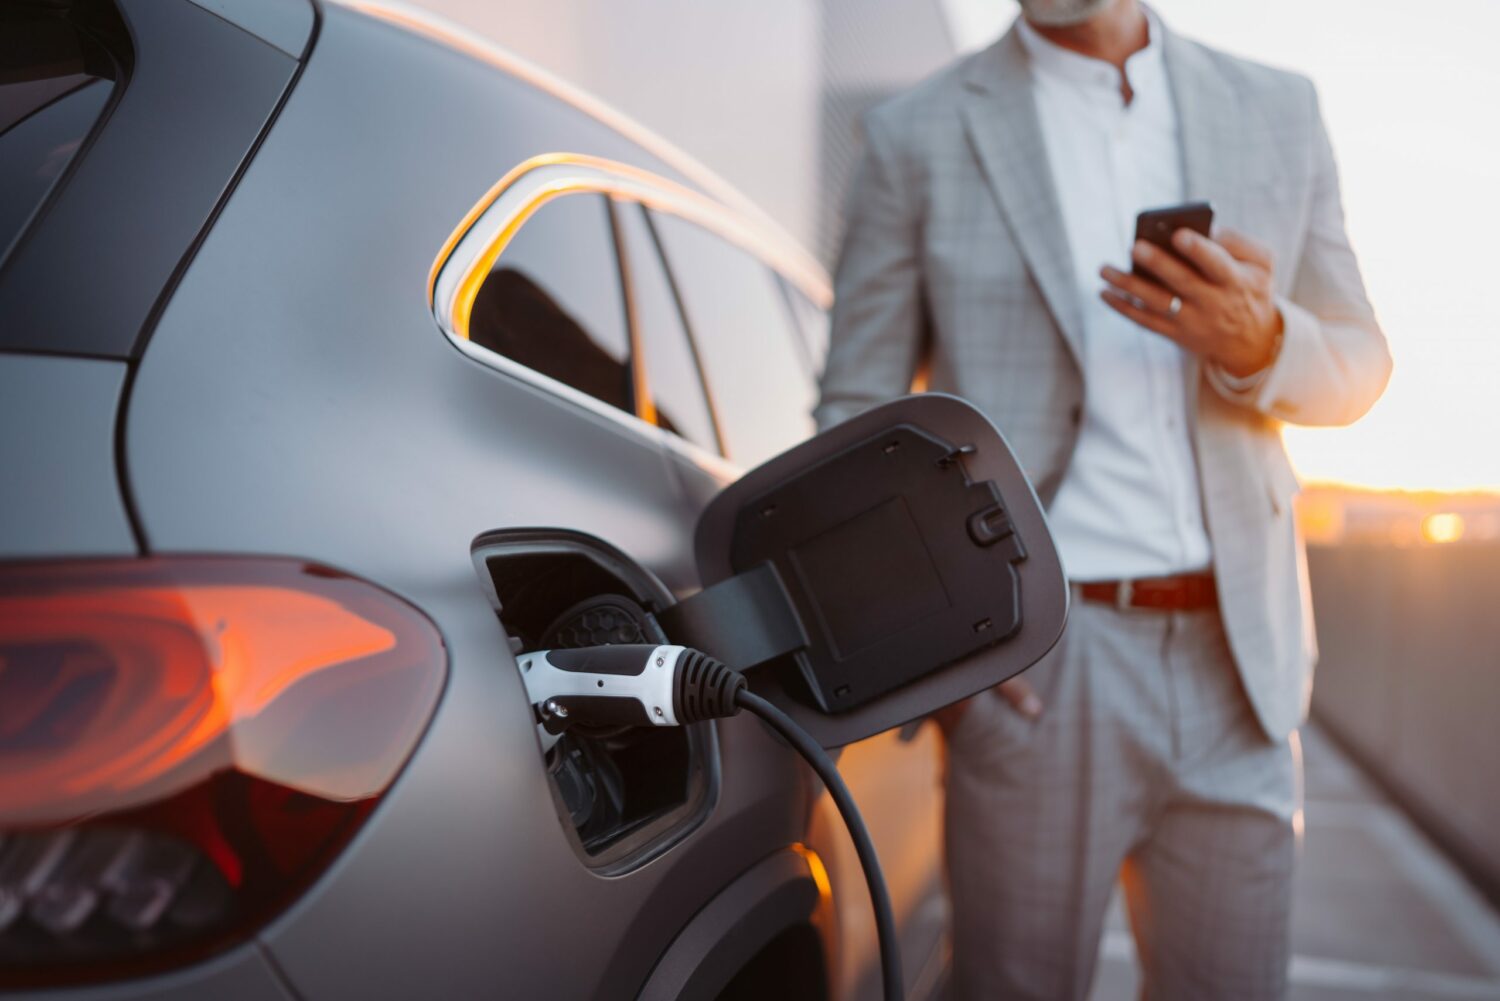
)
(1183, 593)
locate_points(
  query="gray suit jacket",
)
(956, 262)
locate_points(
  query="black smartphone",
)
(1156, 227)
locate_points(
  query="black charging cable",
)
(641, 685)
(880, 897)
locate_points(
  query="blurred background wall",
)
(1406, 585)
(1409, 681)
(766, 94)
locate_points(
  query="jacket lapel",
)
(1001, 121)
(1209, 122)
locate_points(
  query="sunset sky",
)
(1411, 94)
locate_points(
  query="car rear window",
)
(55, 80)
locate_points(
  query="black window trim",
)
(165, 38)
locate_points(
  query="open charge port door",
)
(889, 566)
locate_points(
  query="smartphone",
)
(1156, 227)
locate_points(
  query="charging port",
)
(626, 793)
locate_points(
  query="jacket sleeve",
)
(1334, 361)
(876, 331)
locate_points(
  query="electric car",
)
(343, 360)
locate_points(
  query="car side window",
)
(673, 383)
(762, 390)
(553, 301)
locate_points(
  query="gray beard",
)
(1061, 13)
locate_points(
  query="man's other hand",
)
(1226, 312)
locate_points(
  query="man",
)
(990, 242)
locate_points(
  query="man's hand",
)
(1015, 691)
(1227, 314)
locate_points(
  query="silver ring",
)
(1174, 307)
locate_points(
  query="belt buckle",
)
(1124, 593)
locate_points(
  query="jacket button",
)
(1076, 413)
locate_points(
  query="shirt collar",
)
(1048, 59)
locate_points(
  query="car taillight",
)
(185, 743)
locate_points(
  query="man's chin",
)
(1063, 13)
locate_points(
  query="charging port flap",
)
(890, 566)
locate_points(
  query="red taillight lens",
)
(184, 745)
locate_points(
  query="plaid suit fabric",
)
(1148, 754)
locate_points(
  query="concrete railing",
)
(1409, 682)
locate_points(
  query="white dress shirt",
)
(1128, 505)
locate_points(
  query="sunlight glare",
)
(1443, 527)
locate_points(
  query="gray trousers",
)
(1147, 765)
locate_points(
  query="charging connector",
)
(642, 685)
(628, 684)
